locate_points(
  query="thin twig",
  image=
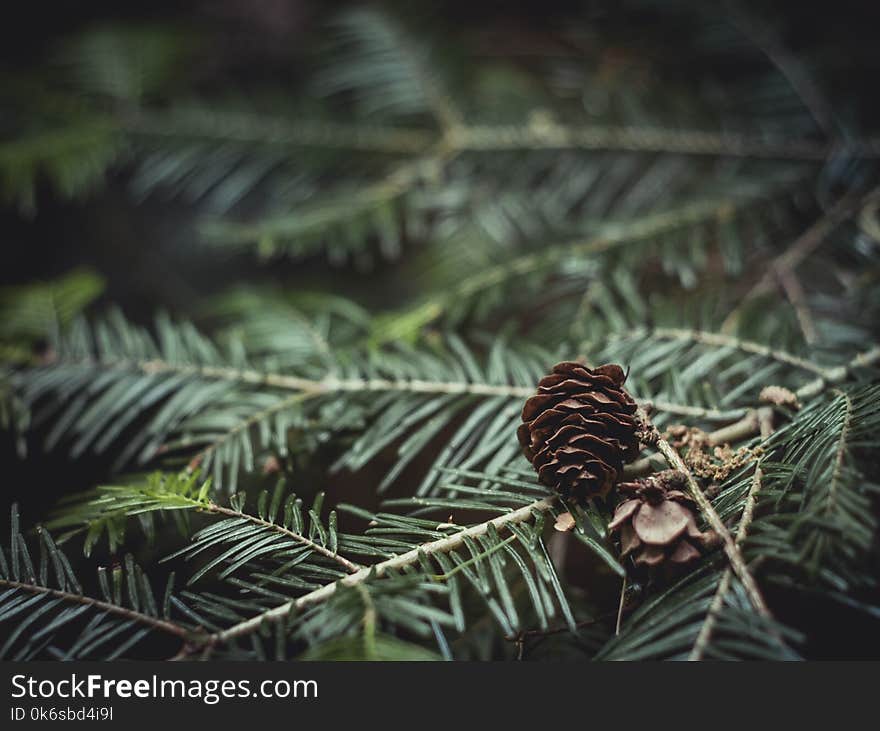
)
(694, 412)
(745, 427)
(705, 634)
(298, 537)
(620, 605)
(263, 130)
(840, 373)
(730, 548)
(746, 346)
(791, 285)
(551, 135)
(802, 247)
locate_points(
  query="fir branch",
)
(551, 135)
(840, 453)
(732, 551)
(644, 229)
(822, 523)
(326, 215)
(695, 412)
(349, 566)
(332, 384)
(440, 546)
(865, 359)
(160, 493)
(707, 628)
(461, 137)
(721, 340)
(782, 267)
(114, 609)
(250, 128)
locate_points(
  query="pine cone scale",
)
(661, 524)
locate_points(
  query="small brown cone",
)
(579, 429)
(657, 522)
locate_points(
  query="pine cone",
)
(657, 522)
(579, 429)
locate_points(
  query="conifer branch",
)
(840, 453)
(726, 341)
(331, 384)
(709, 623)
(247, 423)
(783, 266)
(460, 137)
(734, 555)
(645, 228)
(114, 609)
(550, 135)
(349, 566)
(440, 546)
(837, 374)
(151, 496)
(258, 129)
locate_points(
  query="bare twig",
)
(745, 427)
(694, 412)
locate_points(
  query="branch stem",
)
(745, 346)
(765, 420)
(322, 594)
(783, 266)
(551, 135)
(129, 614)
(732, 551)
(299, 538)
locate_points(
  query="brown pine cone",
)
(579, 429)
(657, 522)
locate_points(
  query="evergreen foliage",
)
(331, 471)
